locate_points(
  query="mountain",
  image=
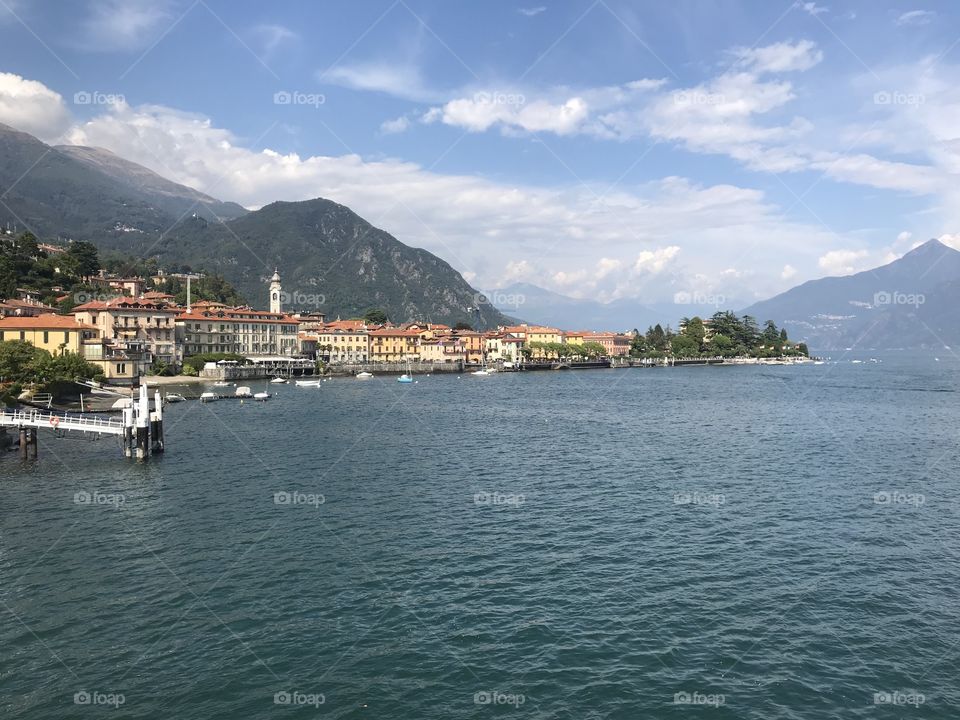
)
(909, 303)
(89, 193)
(537, 305)
(330, 259)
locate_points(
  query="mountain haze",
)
(909, 303)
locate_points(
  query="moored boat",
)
(262, 396)
(208, 396)
(173, 398)
(243, 392)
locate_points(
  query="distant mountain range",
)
(330, 258)
(538, 305)
(912, 302)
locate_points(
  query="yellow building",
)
(393, 345)
(57, 334)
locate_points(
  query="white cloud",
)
(402, 80)
(916, 17)
(904, 236)
(484, 110)
(397, 125)
(271, 38)
(950, 240)
(654, 261)
(532, 11)
(842, 262)
(125, 24)
(788, 272)
(780, 57)
(811, 8)
(32, 107)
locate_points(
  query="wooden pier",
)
(140, 430)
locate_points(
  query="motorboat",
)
(221, 383)
(262, 396)
(208, 396)
(173, 398)
(364, 375)
(481, 373)
(243, 392)
(308, 383)
(279, 381)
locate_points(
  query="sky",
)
(699, 150)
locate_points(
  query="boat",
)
(262, 396)
(818, 362)
(482, 372)
(173, 397)
(364, 375)
(208, 396)
(221, 383)
(243, 392)
(308, 383)
(407, 377)
(279, 381)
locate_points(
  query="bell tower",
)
(276, 293)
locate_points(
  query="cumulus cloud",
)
(842, 262)
(788, 272)
(397, 125)
(811, 8)
(32, 107)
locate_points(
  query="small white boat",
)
(279, 381)
(263, 396)
(480, 372)
(221, 383)
(364, 375)
(243, 392)
(818, 362)
(173, 397)
(308, 383)
(405, 379)
(208, 396)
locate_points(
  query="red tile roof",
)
(44, 322)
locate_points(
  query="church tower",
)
(276, 293)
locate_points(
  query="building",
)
(24, 308)
(276, 293)
(442, 350)
(343, 341)
(393, 345)
(503, 346)
(141, 331)
(217, 328)
(614, 344)
(57, 334)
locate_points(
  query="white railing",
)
(54, 421)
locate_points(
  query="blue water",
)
(774, 542)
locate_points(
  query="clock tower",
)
(276, 293)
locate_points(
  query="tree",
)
(770, 333)
(82, 259)
(375, 317)
(722, 345)
(657, 338)
(694, 329)
(684, 346)
(19, 360)
(462, 326)
(783, 335)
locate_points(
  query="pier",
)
(140, 430)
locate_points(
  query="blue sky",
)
(608, 149)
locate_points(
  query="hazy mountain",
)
(537, 305)
(909, 303)
(330, 259)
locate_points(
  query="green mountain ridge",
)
(330, 259)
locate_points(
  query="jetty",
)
(140, 429)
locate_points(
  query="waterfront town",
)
(131, 328)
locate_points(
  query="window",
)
(46, 337)
(66, 336)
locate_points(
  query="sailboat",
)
(483, 371)
(407, 377)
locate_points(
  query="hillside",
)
(321, 248)
(909, 303)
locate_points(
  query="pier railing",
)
(57, 421)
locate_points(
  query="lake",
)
(730, 542)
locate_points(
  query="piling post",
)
(142, 429)
(128, 431)
(33, 443)
(23, 443)
(156, 426)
